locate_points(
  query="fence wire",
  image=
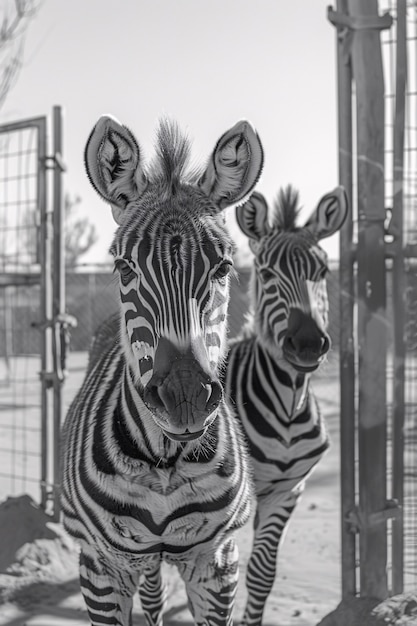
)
(409, 233)
(19, 308)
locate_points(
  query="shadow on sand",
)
(353, 612)
(42, 600)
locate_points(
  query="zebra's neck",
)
(293, 385)
(257, 378)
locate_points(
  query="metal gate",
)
(378, 270)
(32, 308)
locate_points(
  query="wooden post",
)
(372, 418)
(398, 298)
(347, 355)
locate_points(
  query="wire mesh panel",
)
(410, 241)
(19, 199)
(22, 199)
(400, 64)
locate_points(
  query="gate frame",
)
(398, 296)
(60, 321)
(363, 337)
(53, 322)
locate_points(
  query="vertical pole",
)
(91, 299)
(368, 75)
(45, 305)
(8, 330)
(398, 298)
(347, 355)
(58, 307)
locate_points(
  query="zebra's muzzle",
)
(305, 343)
(304, 359)
(184, 402)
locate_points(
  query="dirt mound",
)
(32, 548)
(21, 522)
(395, 611)
(400, 610)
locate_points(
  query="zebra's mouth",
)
(185, 436)
(305, 369)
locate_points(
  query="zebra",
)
(269, 366)
(154, 464)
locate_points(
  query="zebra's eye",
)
(223, 270)
(126, 272)
(266, 275)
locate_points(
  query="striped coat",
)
(269, 367)
(154, 467)
(138, 498)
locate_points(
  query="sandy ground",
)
(38, 563)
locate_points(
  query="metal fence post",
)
(58, 305)
(45, 305)
(398, 296)
(347, 354)
(367, 69)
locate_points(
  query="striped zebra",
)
(268, 368)
(154, 464)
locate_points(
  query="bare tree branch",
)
(15, 16)
(80, 234)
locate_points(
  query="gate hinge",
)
(48, 378)
(356, 520)
(55, 161)
(64, 319)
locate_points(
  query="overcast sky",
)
(206, 63)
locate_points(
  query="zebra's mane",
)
(169, 167)
(286, 209)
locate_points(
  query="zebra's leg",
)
(108, 594)
(272, 514)
(152, 597)
(211, 587)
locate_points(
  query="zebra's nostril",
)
(203, 396)
(152, 397)
(325, 345)
(289, 344)
(215, 396)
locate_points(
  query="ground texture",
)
(38, 562)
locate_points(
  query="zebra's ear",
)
(329, 215)
(252, 218)
(113, 164)
(234, 167)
